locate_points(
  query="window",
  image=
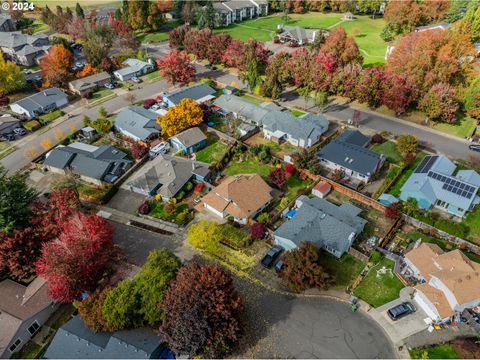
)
(15, 345)
(32, 329)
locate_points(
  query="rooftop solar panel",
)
(425, 164)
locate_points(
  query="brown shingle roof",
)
(424, 258)
(437, 298)
(240, 195)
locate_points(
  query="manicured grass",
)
(345, 269)
(153, 37)
(297, 113)
(249, 166)
(51, 116)
(464, 127)
(294, 184)
(158, 211)
(395, 189)
(101, 96)
(389, 149)
(378, 289)
(435, 352)
(153, 76)
(213, 152)
(472, 220)
(4, 145)
(252, 99)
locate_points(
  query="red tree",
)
(344, 47)
(217, 46)
(78, 259)
(392, 211)
(198, 42)
(56, 66)
(290, 169)
(345, 80)
(176, 37)
(76, 28)
(258, 231)
(233, 55)
(176, 67)
(300, 67)
(399, 92)
(370, 87)
(439, 103)
(138, 150)
(277, 177)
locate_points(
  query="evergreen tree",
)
(79, 11)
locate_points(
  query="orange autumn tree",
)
(180, 117)
(56, 66)
(87, 71)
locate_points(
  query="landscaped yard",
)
(277, 150)
(472, 220)
(51, 116)
(435, 352)
(248, 166)
(213, 152)
(101, 96)
(294, 184)
(157, 209)
(153, 37)
(345, 269)
(389, 149)
(395, 189)
(379, 288)
(464, 128)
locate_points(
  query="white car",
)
(109, 86)
(79, 65)
(136, 80)
(155, 107)
(162, 148)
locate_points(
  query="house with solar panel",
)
(435, 183)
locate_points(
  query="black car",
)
(279, 266)
(7, 137)
(474, 147)
(401, 310)
(272, 254)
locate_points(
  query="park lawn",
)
(51, 116)
(153, 37)
(344, 270)
(380, 290)
(213, 152)
(249, 166)
(435, 352)
(389, 149)
(252, 99)
(101, 96)
(472, 220)
(243, 33)
(395, 189)
(464, 127)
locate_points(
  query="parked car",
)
(136, 80)
(7, 137)
(109, 86)
(27, 71)
(270, 257)
(79, 64)
(279, 266)
(20, 131)
(401, 310)
(158, 149)
(475, 147)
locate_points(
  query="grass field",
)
(378, 289)
(389, 149)
(435, 352)
(345, 269)
(464, 128)
(153, 37)
(213, 152)
(153, 76)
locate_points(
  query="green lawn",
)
(249, 166)
(51, 116)
(39, 26)
(378, 289)
(297, 113)
(158, 211)
(464, 127)
(153, 76)
(4, 145)
(472, 220)
(345, 269)
(389, 149)
(153, 37)
(252, 99)
(100, 96)
(294, 184)
(213, 152)
(435, 352)
(395, 189)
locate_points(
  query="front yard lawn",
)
(395, 189)
(180, 215)
(345, 269)
(153, 76)
(252, 99)
(51, 116)
(464, 127)
(248, 166)
(389, 149)
(435, 352)
(101, 96)
(379, 288)
(213, 152)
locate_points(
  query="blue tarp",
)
(291, 213)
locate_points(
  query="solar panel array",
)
(425, 164)
(454, 186)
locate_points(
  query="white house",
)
(134, 67)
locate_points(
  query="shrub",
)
(409, 158)
(276, 40)
(199, 187)
(189, 186)
(4, 100)
(87, 95)
(149, 103)
(32, 125)
(375, 257)
(138, 150)
(258, 231)
(144, 208)
(169, 208)
(230, 219)
(392, 211)
(290, 169)
(264, 217)
(377, 139)
(180, 195)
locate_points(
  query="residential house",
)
(189, 141)
(167, 175)
(199, 92)
(433, 184)
(8, 123)
(448, 281)
(322, 189)
(40, 103)
(134, 67)
(137, 123)
(24, 49)
(297, 34)
(89, 84)
(241, 109)
(438, 26)
(241, 196)
(239, 10)
(7, 23)
(330, 227)
(23, 311)
(74, 340)
(349, 153)
(97, 165)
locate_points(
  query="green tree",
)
(11, 77)
(102, 125)
(457, 10)
(407, 144)
(98, 42)
(102, 111)
(205, 235)
(472, 99)
(135, 302)
(79, 11)
(16, 198)
(208, 17)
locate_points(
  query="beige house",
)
(242, 196)
(449, 281)
(90, 83)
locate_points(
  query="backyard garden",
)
(213, 152)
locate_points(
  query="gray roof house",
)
(6, 23)
(137, 123)
(40, 103)
(297, 34)
(23, 310)
(24, 49)
(134, 67)
(348, 153)
(75, 341)
(8, 123)
(167, 175)
(89, 83)
(189, 140)
(198, 92)
(94, 164)
(433, 184)
(330, 227)
(241, 109)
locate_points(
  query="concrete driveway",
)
(126, 201)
